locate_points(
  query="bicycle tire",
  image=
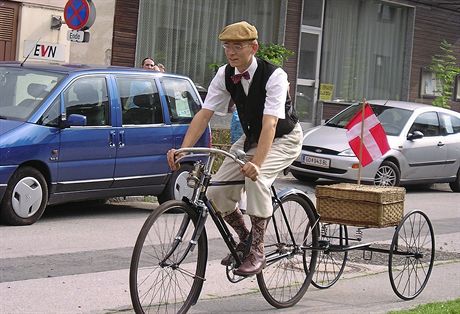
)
(330, 263)
(409, 274)
(284, 282)
(156, 284)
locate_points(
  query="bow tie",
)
(237, 77)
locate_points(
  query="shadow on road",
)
(98, 208)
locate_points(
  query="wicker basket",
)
(360, 205)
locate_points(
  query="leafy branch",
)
(445, 68)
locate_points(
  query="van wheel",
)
(177, 185)
(455, 186)
(25, 197)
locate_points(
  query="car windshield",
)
(22, 91)
(392, 119)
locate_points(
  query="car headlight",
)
(347, 153)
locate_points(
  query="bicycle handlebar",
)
(210, 151)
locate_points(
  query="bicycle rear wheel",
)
(286, 278)
(161, 278)
(411, 255)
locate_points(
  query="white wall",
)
(34, 25)
(35, 21)
(99, 48)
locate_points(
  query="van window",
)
(140, 101)
(52, 114)
(22, 91)
(183, 102)
(88, 97)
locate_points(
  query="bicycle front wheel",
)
(166, 277)
(286, 278)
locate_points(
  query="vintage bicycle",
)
(168, 266)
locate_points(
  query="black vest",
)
(251, 107)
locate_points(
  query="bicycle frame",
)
(201, 175)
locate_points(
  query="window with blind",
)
(8, 29)
(183, 35)
(366, 49)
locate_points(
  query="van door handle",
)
(440, 144)
(121, 139)
(112, 139)
(178, 141)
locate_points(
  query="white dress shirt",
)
(218, 97)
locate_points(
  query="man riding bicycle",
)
(272, 138)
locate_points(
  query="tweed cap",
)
(240, 31)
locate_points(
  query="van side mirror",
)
(75, 120)
(415, 135)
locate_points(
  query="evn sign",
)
(44, 51)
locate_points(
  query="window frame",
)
(424, 72)
(456, 93)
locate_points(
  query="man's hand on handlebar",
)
(250, 170)
(172, 156)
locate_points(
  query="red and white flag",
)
(375, 143)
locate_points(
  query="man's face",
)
(148, 64)
(239, 54)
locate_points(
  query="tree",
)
(445, 68)
(274, 53)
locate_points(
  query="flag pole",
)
(361, 141)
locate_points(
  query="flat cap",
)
(240, 31)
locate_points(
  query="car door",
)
(450, 127)
(425, 156)
(143, 138)
(87, 153)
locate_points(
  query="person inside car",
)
(149, 64)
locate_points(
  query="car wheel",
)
(25, 197)
(302, 177)
(388, 174)
(455, 186)
(177, 185)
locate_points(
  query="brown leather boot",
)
(236, 221)
(242, 249)
(255, 261)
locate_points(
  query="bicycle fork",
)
(203, 211)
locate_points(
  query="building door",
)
(8, 30)
(309, 61)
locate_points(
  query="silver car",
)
(424, 142)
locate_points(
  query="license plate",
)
(317, 162)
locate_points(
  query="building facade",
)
(26, 31)
(345, 50)
(36, 28)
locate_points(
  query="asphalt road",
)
(76, 260)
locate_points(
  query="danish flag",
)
(374, 138)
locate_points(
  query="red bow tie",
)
(237, 77)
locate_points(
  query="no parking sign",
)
(79, 14)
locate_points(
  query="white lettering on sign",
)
(44, 51)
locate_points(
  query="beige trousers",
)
(283, 152)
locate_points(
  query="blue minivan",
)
(77, 132)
